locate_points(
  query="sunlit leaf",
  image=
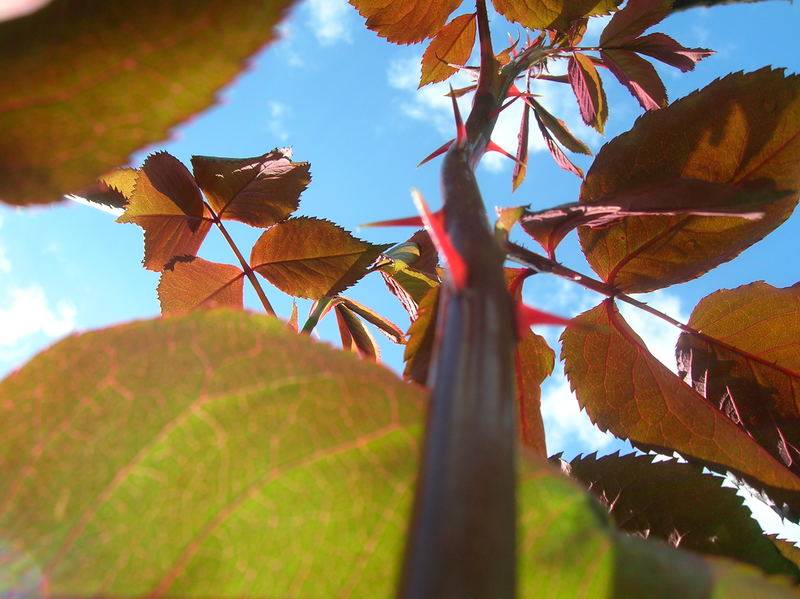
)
(744, 131)
(421, 335)
(667, 50)
(638, 76)
(384, 325)
(533, 363)
(216, 454)
(309, 257)
(555, 150)
(452, 45)
(559, 129)
(748, 363)
(194, 283)
(633, 20)
(355, 336)
(408, 21)
(259, 191)
(625, 390)
(86, 83)
(168, 206)
(551, 14)
(411, 275)
(677, 503)
(521, 162)
(588, 89)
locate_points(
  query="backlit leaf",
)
(196, 283)
(758, 386)
(559, 129)
(421, 335)
(677, 503)
(86, 83)
(259, 191)
(311, 258)
(216, 454)
(453, 44)
(555, 150)
(638, 76)
(588, 89)
(667, 50)
(744, 131)
(633, 20)
(384, 325)
(625, 390)
(355, 336)
(551, 14)
(533, 363)
(521, 162)
(167, 205)
(406, 22)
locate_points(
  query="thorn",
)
(434, 224)
(461, 130)
(438, 152)
(528, 316)
(493, 147)
(409, 221)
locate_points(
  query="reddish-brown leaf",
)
(747, 363)
(406, 22)
(667, 50)
(638, 75)
(633, 20)
(312, 258)
(383, 324)
(624, 389)
(742, 131)
(452, 45)
(355, 336)
(559, 129)
(167, 205)
(259, 191)
(551, 14)
(588, 89)
(421, 335)
(533, 362)
(521, 164)
(555, 150)
(677, 503)
(195, 283)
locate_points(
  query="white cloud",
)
(330, 21)
(28, 312)
(278, 113)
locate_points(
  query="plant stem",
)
(248, 271)
(462, 536)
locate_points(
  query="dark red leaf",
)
(638, 76)
(588, 89)
(633, 20)
(667, 50)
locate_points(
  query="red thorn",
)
(528, 316)
(409, 221)
(438, 152)
(434, 224)
(461, 130)
(493, 147)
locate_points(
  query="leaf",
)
(667, 50)
(293, 466)
(533, 363)
(625, 390)
(311, 258)
(551, 14)
(452, 45)
(679, 196)
(411, 275)
(168, 206)
(555, 150)
(384, 325)
(85, 84)
(421, 335)
(405, 22)
(355, 336)
(742, 131)
(570, 548)
(259, 191)
(521, 159)
(747, 363)
(633, 20)
(559, 129)
(187, 285)
(676, 503)
(588, 89)
(638, 76)
(216, 454)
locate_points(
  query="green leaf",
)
(746, 362)
(258, 191)
(168, 206)
(312, 258)
(421, 335)
(216, 454)
(452, 45)
(677, 503)
(742, 131)
(86, 83)
(624, 389)
(193, 283)
(551, 14)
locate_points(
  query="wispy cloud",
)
(278, 114)
(29, 312)
(331, 21)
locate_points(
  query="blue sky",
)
(347, 102)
